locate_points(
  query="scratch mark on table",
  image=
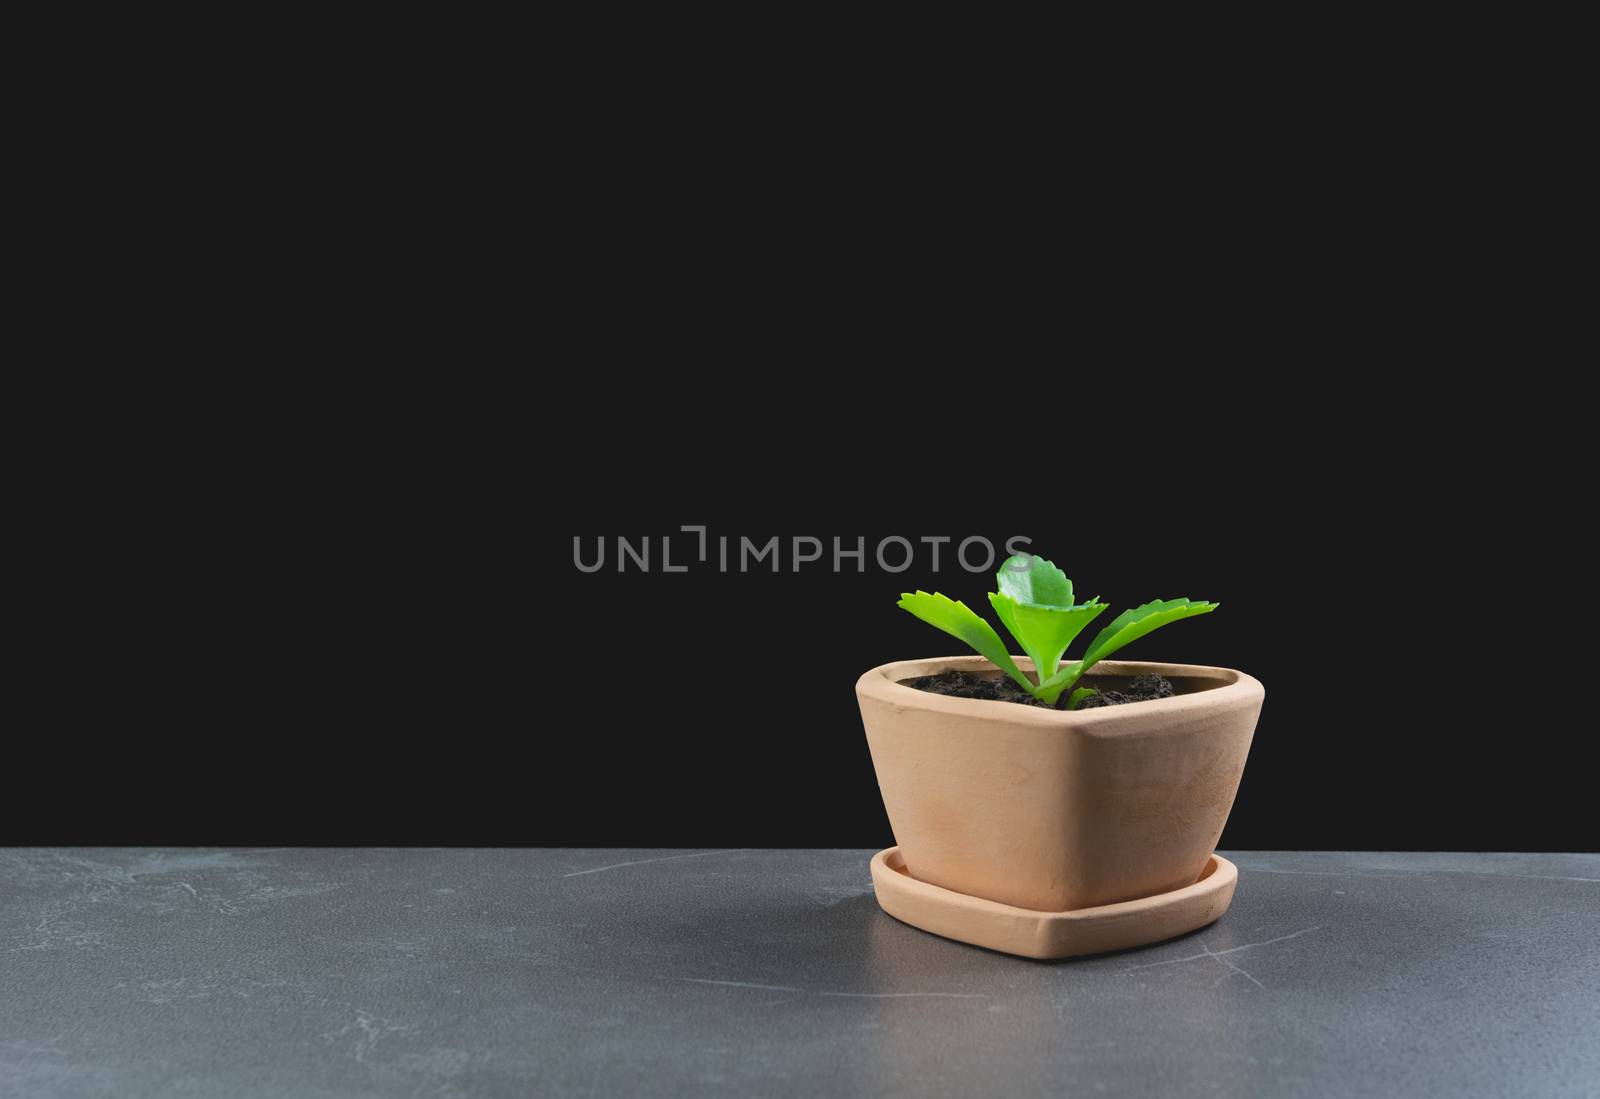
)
(1230, 950)
(663, 858)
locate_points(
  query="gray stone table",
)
(311, 973)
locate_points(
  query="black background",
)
(1371, 606)
(321, 589)
(405, 652)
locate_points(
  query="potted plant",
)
(1071, 810)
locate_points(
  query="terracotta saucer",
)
(1051, 934)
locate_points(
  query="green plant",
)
(1035, 604)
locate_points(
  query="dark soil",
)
(1141, 688)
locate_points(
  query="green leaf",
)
(1079, 695)
(1030, 579)
(959, 620)
(1043, 632)
(1133, 624)
(1050, 688)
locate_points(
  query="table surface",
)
(311, 972)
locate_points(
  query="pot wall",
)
(1054, 810)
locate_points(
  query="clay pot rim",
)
(1234, 689)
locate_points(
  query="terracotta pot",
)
(1053, 810)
